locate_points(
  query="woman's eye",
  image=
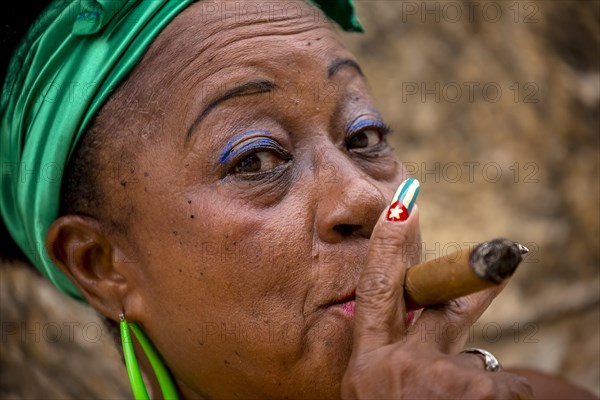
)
(258, 162)
(364, 139)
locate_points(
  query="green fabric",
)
(341, 11)
(66, 67)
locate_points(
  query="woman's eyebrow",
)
(338, 63)
(245, 89)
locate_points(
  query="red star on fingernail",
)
(397, 212)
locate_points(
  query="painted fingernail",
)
(404, 200)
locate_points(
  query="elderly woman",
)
(215, 177)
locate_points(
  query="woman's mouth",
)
(346, 306)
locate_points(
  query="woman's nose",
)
(350, 203)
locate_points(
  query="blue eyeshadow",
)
(369, 122)
(228, 151)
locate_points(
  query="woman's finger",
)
(402, 371)
(394, 246)
(448, 325)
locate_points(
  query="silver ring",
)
(491, 363)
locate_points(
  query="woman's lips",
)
(347, 308)
(345, 304)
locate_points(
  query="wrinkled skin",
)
(231, 268)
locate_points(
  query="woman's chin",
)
(333, 333)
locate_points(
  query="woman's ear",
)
(84, 252)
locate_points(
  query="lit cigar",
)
(447, 278)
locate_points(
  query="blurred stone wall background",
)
(495, 105)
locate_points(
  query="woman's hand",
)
(389, 361)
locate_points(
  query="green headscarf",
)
(73, 57)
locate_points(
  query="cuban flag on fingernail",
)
(404, 200)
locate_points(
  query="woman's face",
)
(259, 167)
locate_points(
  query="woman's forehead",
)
(209, 38)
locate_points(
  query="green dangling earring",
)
(135, 376)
